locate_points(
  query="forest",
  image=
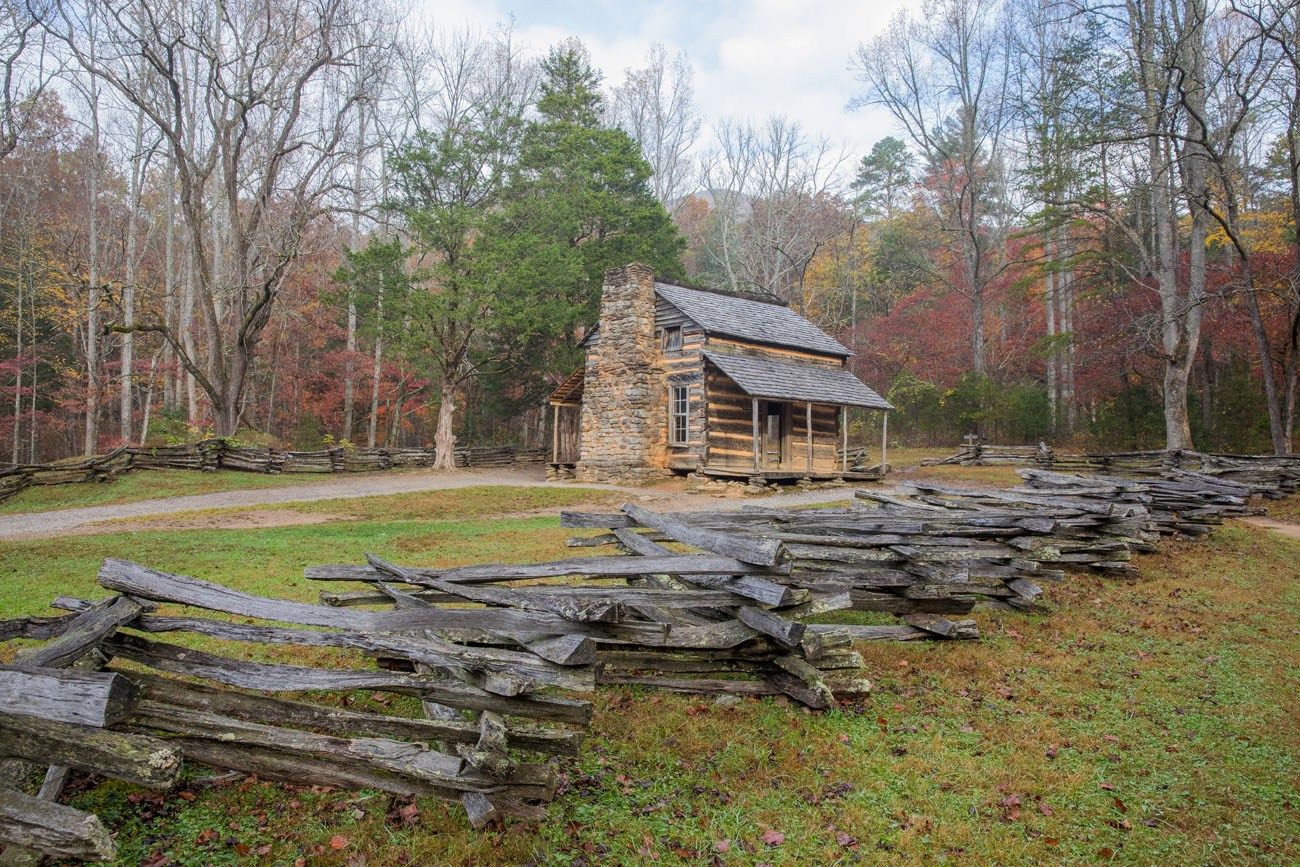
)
(309, 222)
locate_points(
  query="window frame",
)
(676, 415)
(671, 334)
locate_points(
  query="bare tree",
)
(255, 147)
(23, 73)
(774, 195)
(656, 106)
(1234, 77)
(1276, 28)
(942, 75)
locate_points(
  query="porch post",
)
(844, 433)
(757, 457)
(808, 430)
(555, 433)
(884, 440)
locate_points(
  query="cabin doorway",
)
(776, 428)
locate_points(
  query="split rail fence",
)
(1281, 470)
(503, 658)
(218, 454)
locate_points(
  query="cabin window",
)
(673, 339)
(678, 424)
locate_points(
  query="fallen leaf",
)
(1107, 787)
(338, 841)
(1119, 805)
(721, 846)
(848, 841)
(206, 836)
(1010, 807)
(1045, 809)
(1106, 852)
(772, 838)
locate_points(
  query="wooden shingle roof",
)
(799, 381)
(748, 319)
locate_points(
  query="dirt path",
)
(1291, 531)
(103, 519)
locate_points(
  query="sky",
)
(752, 58)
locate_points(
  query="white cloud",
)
(752, 59)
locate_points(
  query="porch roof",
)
(790, 380)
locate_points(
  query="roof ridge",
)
(763, 297)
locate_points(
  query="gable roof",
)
(756, 321)
(792, 380)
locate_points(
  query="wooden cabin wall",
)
(684, 367)
(775, 353)
(569, 428)
(730, 422)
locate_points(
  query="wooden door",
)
(776, 426)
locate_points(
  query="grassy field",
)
(1145, 721)
(147, 485)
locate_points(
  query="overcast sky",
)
(752, 58)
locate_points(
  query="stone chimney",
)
(622, 400)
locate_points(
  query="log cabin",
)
(680, 379)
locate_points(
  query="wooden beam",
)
(555, 433)
(90, 698)
(138, 759)
(747, 549)
(757, 452)
(53, 829)
(844, 435)
(884, 441)
(808, 431)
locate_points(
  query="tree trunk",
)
(1049, 301)
(349, 367)
(1065, 328)
(1276, 430)
(444, 440)
(977, 309)
(92, 288)
(378, 371)
(148, 396)
(18, 374)
(125, 402)
(171, 378)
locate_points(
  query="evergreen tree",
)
(578, 201)
(884, 175)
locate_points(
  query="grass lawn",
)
(1149, 721)
(147, 485)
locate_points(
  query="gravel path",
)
(92, 519)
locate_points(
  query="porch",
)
(783, 420)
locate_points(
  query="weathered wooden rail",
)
(501, 656)
(1268, 475)
(220, 454)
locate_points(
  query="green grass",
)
(147, 485)
(1151, 721)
